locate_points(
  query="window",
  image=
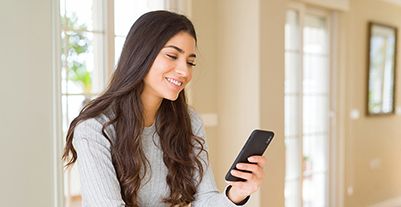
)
(125, 13)
(307, 101)
(92, 35)
(82, 58)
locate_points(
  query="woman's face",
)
(172, 69)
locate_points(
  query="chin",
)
(172, 97)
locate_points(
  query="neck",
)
(150, 105)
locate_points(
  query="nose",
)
(183, 69)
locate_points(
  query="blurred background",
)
(302, 68)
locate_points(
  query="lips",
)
(174, 82)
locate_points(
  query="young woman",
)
(138, 144)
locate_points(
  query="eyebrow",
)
(180, 50)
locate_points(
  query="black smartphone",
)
(255, 145)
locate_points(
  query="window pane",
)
(127, 11)
(62, 8)
(82, 12)
(119, 43)
(314, 190)
(292, 193)
(292, 31)
(292, 72)
(74, 104)
(315, 154)
(315, 35)
(78, 63)
(72, 188)
(315, 74)
(291, 115)
(125, 14)
(293, 164)
(315, 114)
(82, 62)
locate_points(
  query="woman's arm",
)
(99, 183)
(207, 193)
(208, 196)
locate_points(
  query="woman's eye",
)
(191, 64)
(173, 57)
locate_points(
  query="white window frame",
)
(332, 4)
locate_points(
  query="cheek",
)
(160, 65)
(189, 77)
(156, 72)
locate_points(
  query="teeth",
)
(175, 82)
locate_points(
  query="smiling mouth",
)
(175, 82)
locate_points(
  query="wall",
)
(237, 78)
(26, 103)
(204, 81)
(372, 164)
(271, 78)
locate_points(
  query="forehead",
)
(183, 40)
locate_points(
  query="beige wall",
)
(26, 103)
(237, 79)
(271, 78)
(204, 82)
(370, 141)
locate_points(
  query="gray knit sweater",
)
(99, 184)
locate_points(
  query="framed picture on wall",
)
(381, 69)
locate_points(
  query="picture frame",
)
(382, 53)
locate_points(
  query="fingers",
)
(253, 168)
(253, 175)
(260, 160)
(244, 175)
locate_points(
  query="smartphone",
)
(255, 145)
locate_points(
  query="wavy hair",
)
(121, 103)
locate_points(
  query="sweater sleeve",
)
(99, 183)
(207, 193)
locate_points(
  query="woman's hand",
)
(242, 189)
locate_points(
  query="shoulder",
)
(90, 126)
(87, 125)
(90, 130)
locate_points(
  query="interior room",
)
(323, 75)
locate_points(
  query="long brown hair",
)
(181, 148)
